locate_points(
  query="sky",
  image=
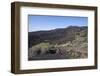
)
(40, 22)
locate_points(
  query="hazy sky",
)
(40, 22)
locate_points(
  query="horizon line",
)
(58, 28)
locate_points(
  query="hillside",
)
(56, 36)
(61, 43)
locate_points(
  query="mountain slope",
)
(56, 36)
(62, 43)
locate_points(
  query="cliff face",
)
(64, 43)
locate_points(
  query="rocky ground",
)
(77, 48)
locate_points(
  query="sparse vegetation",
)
(68, 43)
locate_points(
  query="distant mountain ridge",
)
(56, 36)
